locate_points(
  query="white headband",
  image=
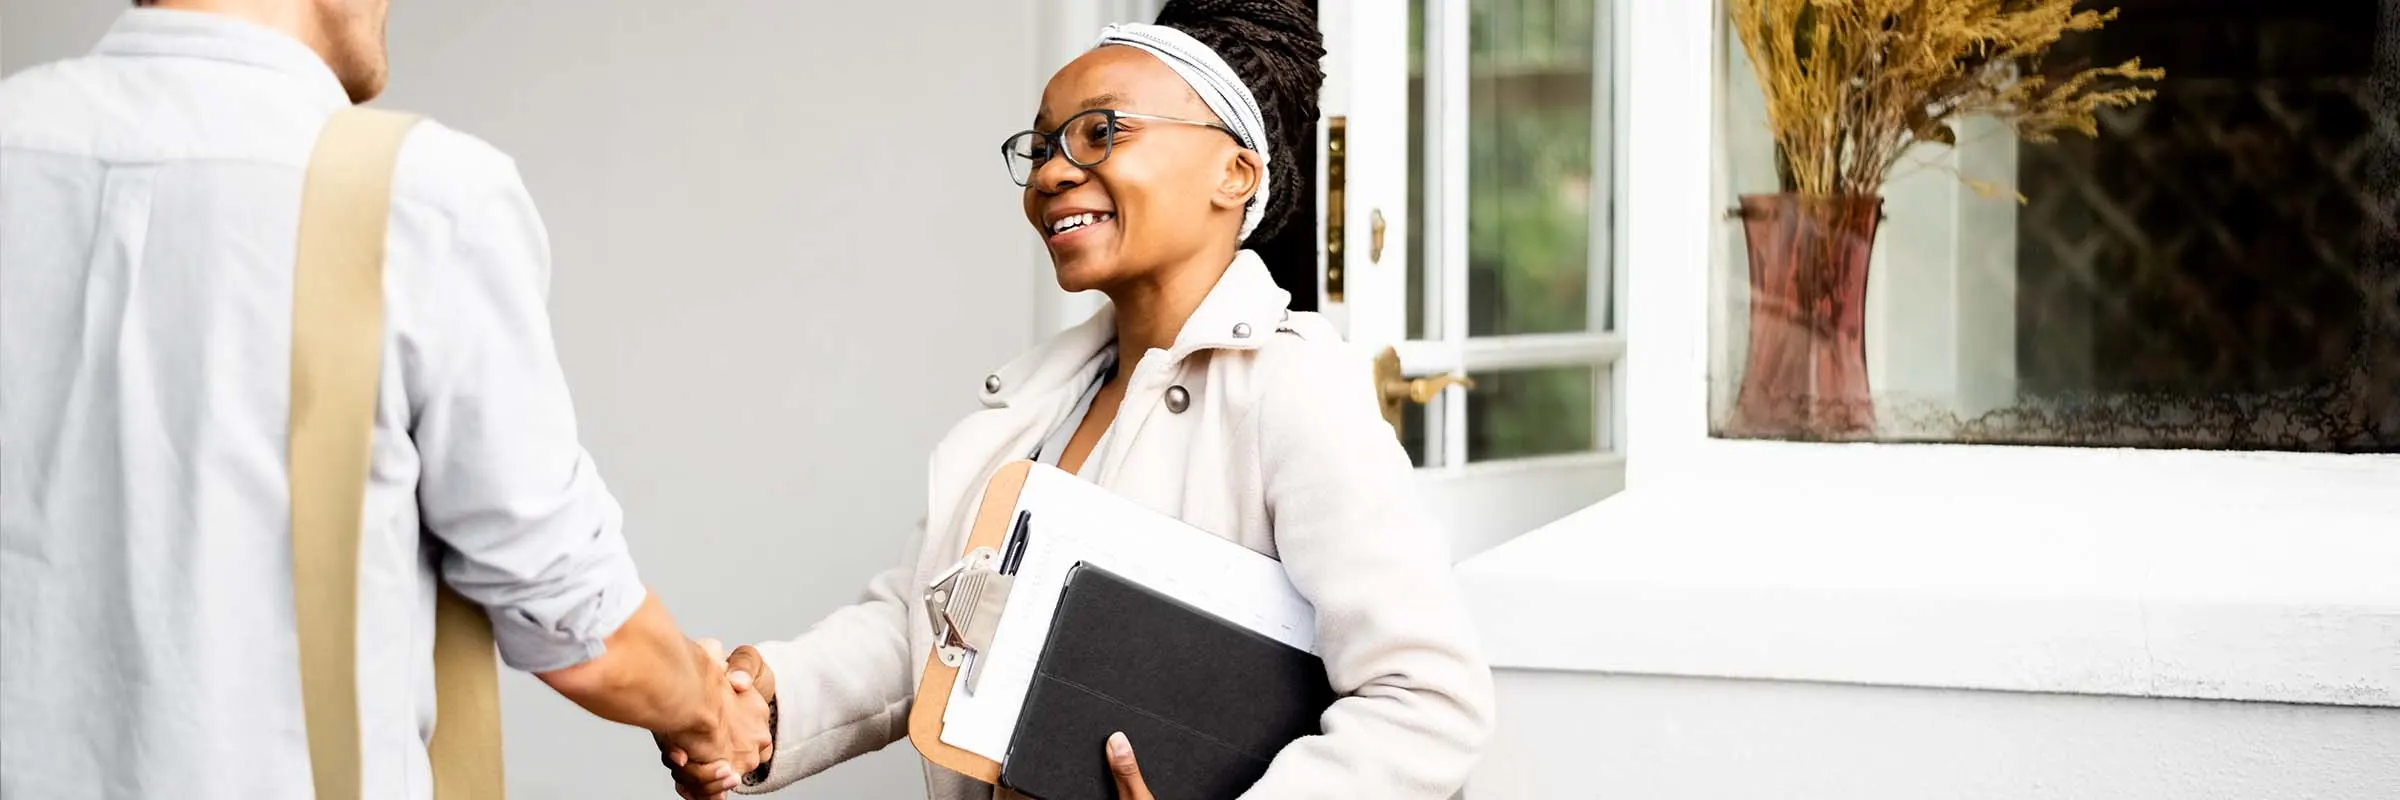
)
(1217, 85)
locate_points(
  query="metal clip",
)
(964, 606)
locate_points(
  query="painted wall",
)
(786, 254)
(1567, 735)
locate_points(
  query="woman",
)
(1196, 393)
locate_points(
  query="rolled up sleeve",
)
(530, 531)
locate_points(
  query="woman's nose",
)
(1057, 175)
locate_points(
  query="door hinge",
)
(1336, 180)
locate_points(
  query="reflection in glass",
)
(2220, 268)
(1529, 151)
(1529, 167)
(1534, 412)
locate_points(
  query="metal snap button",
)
(1241, 330)
(1178, 399)
(991, 384)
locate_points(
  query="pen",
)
(1016, 543)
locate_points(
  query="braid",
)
(1275, 47)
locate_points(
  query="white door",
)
(1475, 186)
(1467, 183)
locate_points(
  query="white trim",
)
(1669, 235)
(1600, 253)
(1487, 503)
(1498, 353)
(1620, 61)
(1447, 64)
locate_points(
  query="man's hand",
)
(1128, 773)
(747, 659)
(744, 737)
(709, 759)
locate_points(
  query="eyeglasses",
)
(1087, 138)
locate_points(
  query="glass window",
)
(1507, 231)
(2218, 268)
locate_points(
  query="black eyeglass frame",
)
(1056, 140)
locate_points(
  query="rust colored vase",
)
(1806, 373)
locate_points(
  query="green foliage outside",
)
(1530, 191)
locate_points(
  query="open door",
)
(1467, 193)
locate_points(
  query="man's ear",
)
(1242, 172)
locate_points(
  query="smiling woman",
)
(1154, 162)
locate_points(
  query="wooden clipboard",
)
(992, 522)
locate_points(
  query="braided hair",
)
(1275, 48)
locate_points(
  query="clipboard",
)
(994, 611)
(990, 532)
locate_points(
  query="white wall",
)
(787, 253)
(1570, 735)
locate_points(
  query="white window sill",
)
(2259, 577)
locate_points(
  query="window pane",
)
(2220, 268)
(1533, 412)
(1529, 168)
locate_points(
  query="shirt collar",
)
(191, 34)
(1240, 312)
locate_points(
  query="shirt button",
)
(991, 384)
(1241, 330)
(1178, 399)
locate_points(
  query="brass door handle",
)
(1395, 391)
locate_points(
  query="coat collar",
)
(192, 34)
(1240, 312)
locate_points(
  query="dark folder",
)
(1207, 703)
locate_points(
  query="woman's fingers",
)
(1127, 772)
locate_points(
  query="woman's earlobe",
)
(1241, 180)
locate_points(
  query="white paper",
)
(1076, 521)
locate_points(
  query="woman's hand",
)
(744, 721)
(1128, 773)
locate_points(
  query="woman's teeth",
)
(1073, 221)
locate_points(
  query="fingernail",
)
(739, 678)
(1118, 745)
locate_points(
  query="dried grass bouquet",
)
(1850, 84)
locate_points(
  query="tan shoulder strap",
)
(337, 356)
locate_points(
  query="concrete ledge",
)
(1883, 566)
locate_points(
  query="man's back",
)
(149, 203)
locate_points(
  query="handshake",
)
(735, 730)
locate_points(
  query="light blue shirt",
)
(149, 203)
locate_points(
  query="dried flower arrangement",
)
(1850, 84)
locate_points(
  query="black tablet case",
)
(1206, 703)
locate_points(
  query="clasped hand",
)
(709, 760)
(708, 763)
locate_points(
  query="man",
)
(149, 203)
